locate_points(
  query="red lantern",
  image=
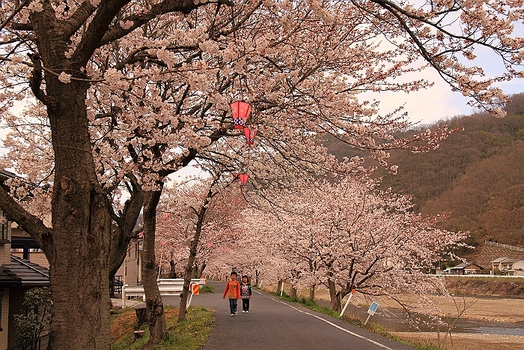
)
(243, 178)
(241, 111)
(250, 135)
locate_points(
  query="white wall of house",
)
(518, 268)
(130, 270)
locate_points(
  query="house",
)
(17, 275)
(23, 246)
(130, 272)
(503, 264)
(517, 269)
(16, 278)
(465, 268)
(5, 248)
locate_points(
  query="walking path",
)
(274, 324)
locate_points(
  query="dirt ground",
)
(466, 341)
(487, 309)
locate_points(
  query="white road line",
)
(334, 325)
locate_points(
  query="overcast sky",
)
(436, 103)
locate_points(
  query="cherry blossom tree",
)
(159, 76)
(349, 235)
(192, 207)
(176, 228)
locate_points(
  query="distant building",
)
(17, 275)
(466, 268)
(518, 269)
(504, 264)
(492, 250)
(23, 246)
(130, 272)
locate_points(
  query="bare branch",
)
(10, 17)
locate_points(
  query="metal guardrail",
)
(166, 287)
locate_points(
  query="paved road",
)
(274, 324)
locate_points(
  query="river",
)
(396, 321)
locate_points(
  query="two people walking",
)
(234, 291)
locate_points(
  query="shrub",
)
(207, 289)
(36, 317)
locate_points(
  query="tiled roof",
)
(464, 265)
(23, 273)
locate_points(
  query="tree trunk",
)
(78, 249)
(279, 285)
(200, 270)
(154, 305)
(333, 296)
(293, 291)
(312, 292)
(172, 271)
(191, 260)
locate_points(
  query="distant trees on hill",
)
(488, 199)
(476, 176)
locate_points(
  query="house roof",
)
(505, 260)
(23, 273)
(498, 260)
(464, 265)
(23, 242)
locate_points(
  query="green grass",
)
(207, 289)
(191, 334)
(372, 327)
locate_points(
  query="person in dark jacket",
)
(245, 291)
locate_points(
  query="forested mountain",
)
(476, 176)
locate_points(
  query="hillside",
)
(476, 176)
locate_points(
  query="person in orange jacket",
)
(233, 293)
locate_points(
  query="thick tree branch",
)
(28, 222)
(105, 14)
(36, 81)
(184, 6)
(78, 19)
